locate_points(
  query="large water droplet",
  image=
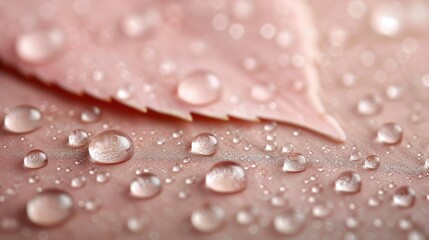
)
(289, 222)
(226, 177)
(404, 197)
(372, 162)
(111, 146)
(199, 88)
(208, 218)
(387, 19)
(139, 24)
(389, 133)
(348, 182)
(204, 144)
(39, 46)
(295, 162)
(35, 159)
(22, 119)
(49, 208)
(78, 138)
(146, 185)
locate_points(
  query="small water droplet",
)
(8, 224)
(348, 182)
(50, 208)
(199, 88)
(78, 182)
(39, 46)
(208, 218)
(226, 177)
(78, 138)
(111, 146)
(204, 144)
(289, 222)
(404, 197)
(356, 9)
(140, 24)
(137, 224)
(355, 156)
(369, 105)
(92, 204)
(246, 216)
(90, 115)
(372, 162)
(322, 210)
(102, 177)
(22, 119)
(294, 162)
(390, 133)
(35, 159)
(287, 148)
(145, 186)
(387, 19)
(262, 93)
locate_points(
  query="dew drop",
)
(137, 224)
(111, 146)
(372, 162)
(204, 144)
(39, 46)
(49, 208)
(262, 93)
(35, 159)
(208, 218)
(22, 119)
(294, 162)
(289, 222)
(90, 115)
(355, 156)
(369, 105)
(348, 182)
(404, 197)
(78, 182)
(102, 177)
(145, 186)
(138, 25)
(322, 210)
(246, 216)
(78, 138)
(199, 88)
(390, 133)
(226, 177)
(387, 19)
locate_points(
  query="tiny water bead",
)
(139, 24)
(204, 144)
(208, 218)
(372, 162)
(90, 115)
(289, 222)
(39, 46)
(22, 119)
(294, 162)
(355, 156)
(226, 177)
(348, 182)
(246, 216)
(199, 88)
(50, 208)
(390, 133)
(369, 105)
(387, 19)
(78, 138)
(145, 186)
(110, 147)
(35, 159)
(404, 197)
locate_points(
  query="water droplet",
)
(294, 162)
(90, 115)
(352, 223)
(35, 159)
(348, 182)
(387, 19)
(369, 105)
(372, 162)
(102, 177)
(204, 144)
(145, 186)
(246, 216)
(22, 119)
(111, 146)
(404, 197)
(78, 182)
(262, 93)
(208, 218)
(394, 92)
(137, 224)
(8, 224)
(287, 148)
(289, 222)
(322, 210)
(92, 204)
(355, 156)
(138, 25)
(39, 46)
(389, 133)
(199, 88)
(226, 177)
(78, 138)
(49, 208)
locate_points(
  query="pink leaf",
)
(244, 59)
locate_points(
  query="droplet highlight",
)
(35, 159)
(204, 144)
(348, 182)
(145, 186)
(226, 177)
(294, 162)
(110, 147)
(23, 119)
